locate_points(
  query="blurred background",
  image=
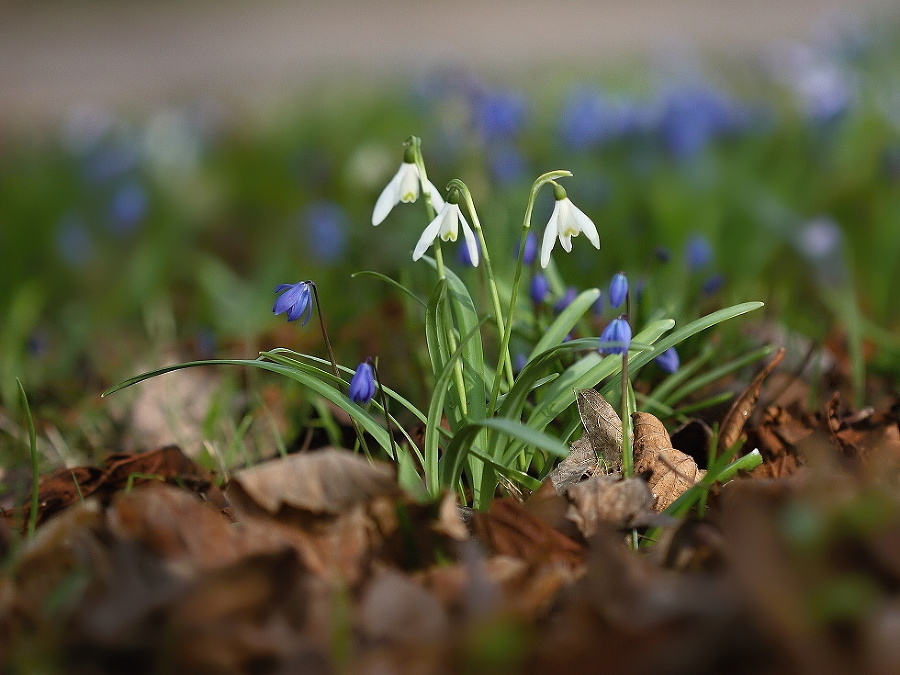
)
(164, 165)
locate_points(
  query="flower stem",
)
(627, 454)
(506, 361)
(384, 407)
(334, 366)
(416, 143)
(451, 336)
(526, 225)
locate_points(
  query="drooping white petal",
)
(550, 236)
(430, 233)
(471, 244)
(587, 226)
(436, 200)
(388, 197)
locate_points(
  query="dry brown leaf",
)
(57, 491)
(168, 463)
(671, 471)
(739, 413)
(396, 610)
(509, 529)
(609, 501)
(600, 443)
(580, 462)
(412, 536)
(234, 618)
(176, 526)
(325, 481)
(69, 486)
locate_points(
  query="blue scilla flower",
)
(567, 299)
(128, 208)
(590, 118)
(74, 243)
(539, 288)
(698, 252)
(112, 158)
(693, 115)
(325, 225)
(362, 384)
(599, 305)
(296, 301)
(668, 360)
(519, 362)
(507, 164)
(616, 337)
(529, 253)
(713, 285)
(499, 114)
(618, 290)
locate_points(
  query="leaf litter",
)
(318, 562)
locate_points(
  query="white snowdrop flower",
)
(403, 187)
(446, 225)
(566, 221)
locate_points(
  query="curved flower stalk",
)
(404, 187)
(566, 221)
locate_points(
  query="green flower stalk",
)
(506, 361)
(514, 296)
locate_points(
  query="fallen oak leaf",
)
(324, 481)
(319, 503)
(602, 427)
(601, 442)
(612, 502)
(510, 529)
(672, 472)
(169, 464)
(175, 525)
(739, 413)
(57, 491)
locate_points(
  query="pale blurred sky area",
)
(126, 54)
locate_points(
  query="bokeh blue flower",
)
(669, 360)
(325, 226)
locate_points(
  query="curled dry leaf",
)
(580, 462)
(739, 413)
(601, 442)
(602, 427)
(671, 471)
(325, 481)
(610, 501)
(69, 486)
